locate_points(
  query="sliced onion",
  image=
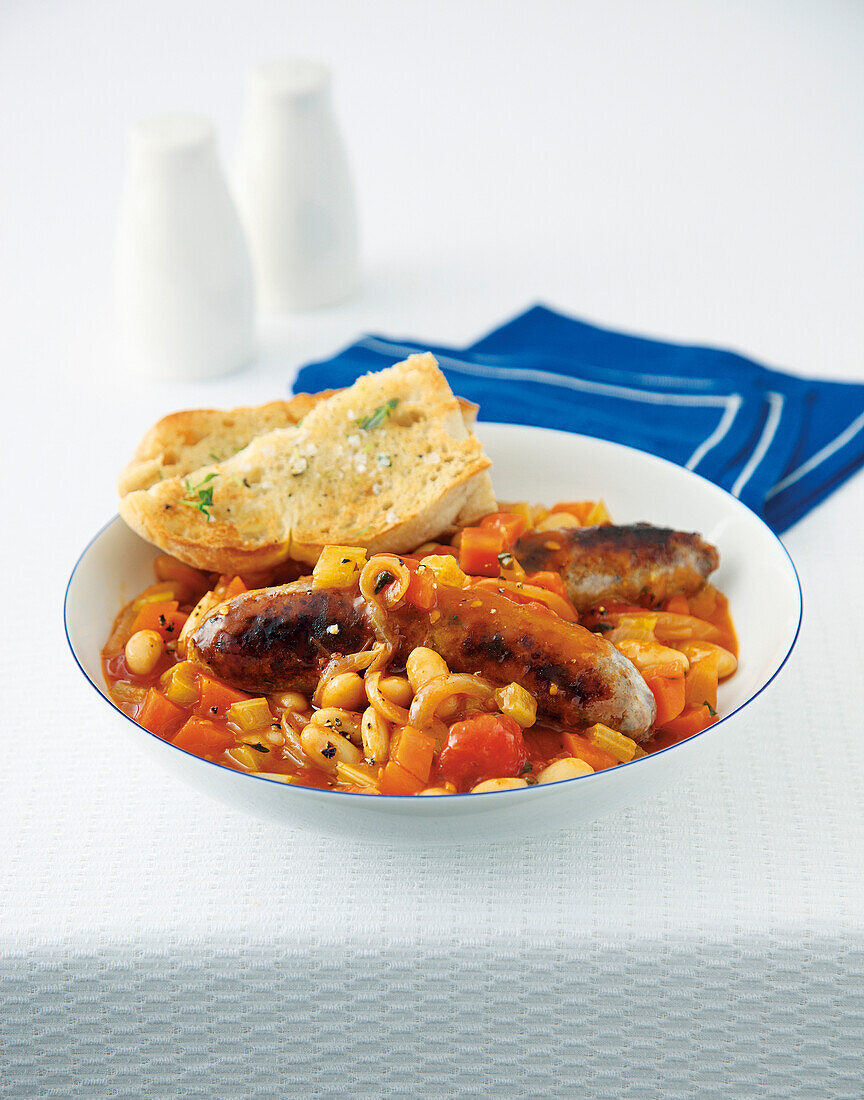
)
(432, 695)
(350, 662)
(385, 707)
(373, 569)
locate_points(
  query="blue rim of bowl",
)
(467, 794)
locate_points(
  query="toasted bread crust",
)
(388, 463)
(185, 441)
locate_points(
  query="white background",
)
(693, 171)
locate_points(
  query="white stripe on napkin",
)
(776, 402)
(730, 403)
(734, 404)
(821, 456)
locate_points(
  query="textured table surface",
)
(694, 173)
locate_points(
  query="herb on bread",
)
(198, 497)
(376, 419)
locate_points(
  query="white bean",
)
(397, 689)
(346, 690)
(347, 722)
(424, 665)
(376, 736)
(327, 748)
(568, 768)
(143, 651)
(502, 784)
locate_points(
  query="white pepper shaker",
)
(185, 298)
(294, 188)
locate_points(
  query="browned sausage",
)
(639, 564)
(273, 639)
(278, 638)
(577, 677)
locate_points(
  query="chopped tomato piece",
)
(160, 715)
(692, 720)
(422, 590)
(586, 750)
(678, 605)
(668, 695)
(478, 552)
(542, 745)
(509, 526)
(216, 698)
(203, 738)
(485, 746)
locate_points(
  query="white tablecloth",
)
(691, 171)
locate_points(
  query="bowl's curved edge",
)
(642, 761)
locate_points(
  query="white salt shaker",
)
(294, 188)
(185, 298)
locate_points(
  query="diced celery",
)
(250, 714)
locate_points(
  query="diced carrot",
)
(678, 605)
(669, 696)
(203, 738)
(691, 720)
(509, 525)
(586, 750)
(700, 683)
(413, 752)
(160, 715)
(478, 552)
(396, 780)
(216, 698)
(164, 618)
(229, 586)
(422, 590)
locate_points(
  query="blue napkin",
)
(779, 443)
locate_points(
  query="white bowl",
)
(533, 464)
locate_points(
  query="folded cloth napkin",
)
(779, 443)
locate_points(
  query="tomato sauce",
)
(185, 704)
